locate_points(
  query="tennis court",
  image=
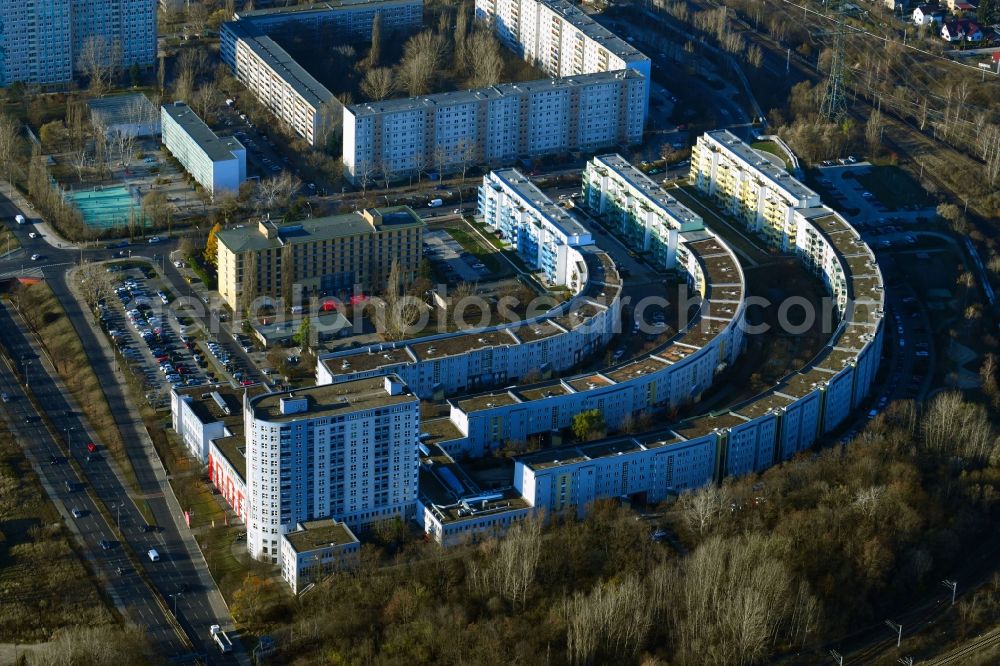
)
(105, 208)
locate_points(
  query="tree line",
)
(761, 566)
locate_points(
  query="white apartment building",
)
(640, 210)
(346, 451)
(219, 164)
(317, 548)
(559, 38)
(543, 233)
(280, 83)
(647, 468)
(749, 186)
(41, 40)
(497, 125)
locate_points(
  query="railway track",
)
(968, 650)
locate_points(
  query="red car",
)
(91, 447)
(246, 382)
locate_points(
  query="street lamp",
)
(174, 597)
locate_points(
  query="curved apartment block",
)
(742, 439)
(354, 449)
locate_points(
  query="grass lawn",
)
(772, 148)
(43, 582)
(894, 187)
(474, 246)
(217, 546)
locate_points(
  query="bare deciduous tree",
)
(509, 570)
(100, 62)
(487, 60)
(378, 83)
(423, 56)
(10, 141)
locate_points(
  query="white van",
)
(20, 219)
(153, 555)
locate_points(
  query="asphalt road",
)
(181, 568)
(58, 476)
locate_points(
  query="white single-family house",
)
(928, 15)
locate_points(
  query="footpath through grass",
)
(44, 584)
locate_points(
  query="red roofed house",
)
(961, 29)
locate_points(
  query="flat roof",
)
(675, 352)
(249, 237)
(365, 360)
(703, 425)
(720, 269)
(855, 336)
(200, 400)
(536, 331)
(440, 429)
(316, 534)
(730, 293)
(587, 382)
(233, 449)
(601, 267)
(655, 195)
(218, 148)
(546, 390)
(486, 401)
(703, 331)
(764, 167)
(330, 399)
(838, 359)
(762, 405)
(802, 384)
(481, 94)
(579, 312)
(125, 109)
(461, 344)
(533, 198)
(643, 366)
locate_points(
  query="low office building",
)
(219, 164)
(130, 115)
(543, 233)
(345, 451)
(559, 38)
(201, 414)
(227, 470)
(451, 131)
(315, 549)
(452, 514)
(281, 84)
(318, 255)
(750, 187)
(628, 201)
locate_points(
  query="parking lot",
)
(451, 260)
(146, 335)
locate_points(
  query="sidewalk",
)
(37, 223)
